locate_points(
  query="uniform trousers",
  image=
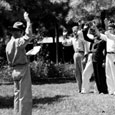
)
(110, 73)
(22, 90)
(78, 57)
(87, 73)
(100, 77)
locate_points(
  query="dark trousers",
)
(100, 78)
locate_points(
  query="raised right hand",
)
(26, 17)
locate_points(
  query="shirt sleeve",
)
(103, 37)
(86, 37)
(80, 35)
(110, 36)
(23, 41)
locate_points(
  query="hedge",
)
(42, 72)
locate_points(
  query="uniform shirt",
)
(89, 38)
(97, 47)
(15, 50)
(110, 38)
(78, 43)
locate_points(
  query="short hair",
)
(74, 28)
(99, 26)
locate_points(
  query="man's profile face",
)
(111, 30)
(75, 30)
(92, 31)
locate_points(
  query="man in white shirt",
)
(109, 37)
(79, 48)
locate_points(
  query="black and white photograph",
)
(57, 57)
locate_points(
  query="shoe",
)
(114, 93)
(79, 91)
(83, 92)
(101, 93)
(96, 91)
(111, 93)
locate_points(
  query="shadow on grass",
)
(6, 102)
(6, 83)
(53, 81)
(47, 100)
(38, 81)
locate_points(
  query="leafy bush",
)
(50, 70)
(5, 74)
(41, 71)
(2, 54)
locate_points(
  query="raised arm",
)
(24, 40)
(28, 31)
(109, 35)
(67, 41)
(101, 35)
(85, 32)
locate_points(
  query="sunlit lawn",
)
(60, 99)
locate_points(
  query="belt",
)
(79, 51)
(110, 52)
(19, 64)
(90, 52)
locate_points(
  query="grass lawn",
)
(60, 99)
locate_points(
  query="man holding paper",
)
(17, 59)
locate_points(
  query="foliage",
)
(2, 55)
(41, 70)
(55, 11)
(82, 8)
(5, 74)
(4, 5)
(47, 18)
(47, 71)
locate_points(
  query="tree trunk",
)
(103, 16)
(57, 41)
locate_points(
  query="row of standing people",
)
(99, 52)
(17, 59)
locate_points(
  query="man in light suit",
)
(17, 59)
(79, 48)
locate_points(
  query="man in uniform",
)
(109, 37)
(17, 59)
(79, 47)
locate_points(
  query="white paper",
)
(34, 51)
